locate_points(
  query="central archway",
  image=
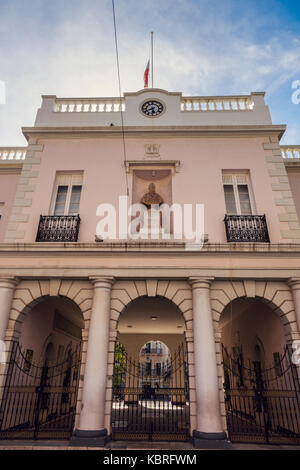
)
(151, 387)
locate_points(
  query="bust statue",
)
(151, 198)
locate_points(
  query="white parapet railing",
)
(88, 105)
(217, 103)
(187, 103)
(290, 151)
(13, 154)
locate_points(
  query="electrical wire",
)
(120, 95)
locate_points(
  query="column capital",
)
(199, 282)
(294, 283)
(102, 282)
(9, 282)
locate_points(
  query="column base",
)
(210, 440)
(82, 438)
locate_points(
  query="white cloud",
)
(75, 56)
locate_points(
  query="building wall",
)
(8, 188)
(203, 142)
(294, 180)
(199, 179)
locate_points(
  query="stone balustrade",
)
(86, 105)
(195, 103)
(290, 151)
(217, 103)
(179, 110)
(14, 154)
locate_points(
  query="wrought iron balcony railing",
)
(58, 228)
(246, 228)
(151, 351)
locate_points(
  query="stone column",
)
(294, 284)
(7, 288)
(91, 430)
(209, 427)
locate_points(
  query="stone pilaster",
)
(7, 288)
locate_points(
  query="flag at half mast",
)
(146, 75)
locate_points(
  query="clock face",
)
(152, 108)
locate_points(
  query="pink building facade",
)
(78, 304)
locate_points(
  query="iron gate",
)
(39, 401)
(262, 404)
(150, 404)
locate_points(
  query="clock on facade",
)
(152, 108)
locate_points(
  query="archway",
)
(259, 378)
(40, 392)
(151, 389)
(154, 359)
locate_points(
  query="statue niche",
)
(152, 221)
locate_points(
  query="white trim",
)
(232, 178)
(69, 179)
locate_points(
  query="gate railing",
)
(147, 408)
(39, 400)
(262, 403)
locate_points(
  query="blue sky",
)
(202, 47)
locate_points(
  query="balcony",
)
(153, 350)
(246, 228)
(58, 228)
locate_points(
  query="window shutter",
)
(230, 199)
(60, 202)
(244, 199)
(75, 200)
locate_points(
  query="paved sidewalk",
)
(128, 445)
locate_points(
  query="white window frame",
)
(235, 179)
(65, 179)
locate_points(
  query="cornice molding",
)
(291, 163)
(217, 249)
(141, 131)
(134, 164)
(14, 169)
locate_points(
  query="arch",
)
(23, 314)
(160, 354)
(154, 341)
(277, 295)
(125, 292)
(30, 293)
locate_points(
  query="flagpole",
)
(152, 59)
